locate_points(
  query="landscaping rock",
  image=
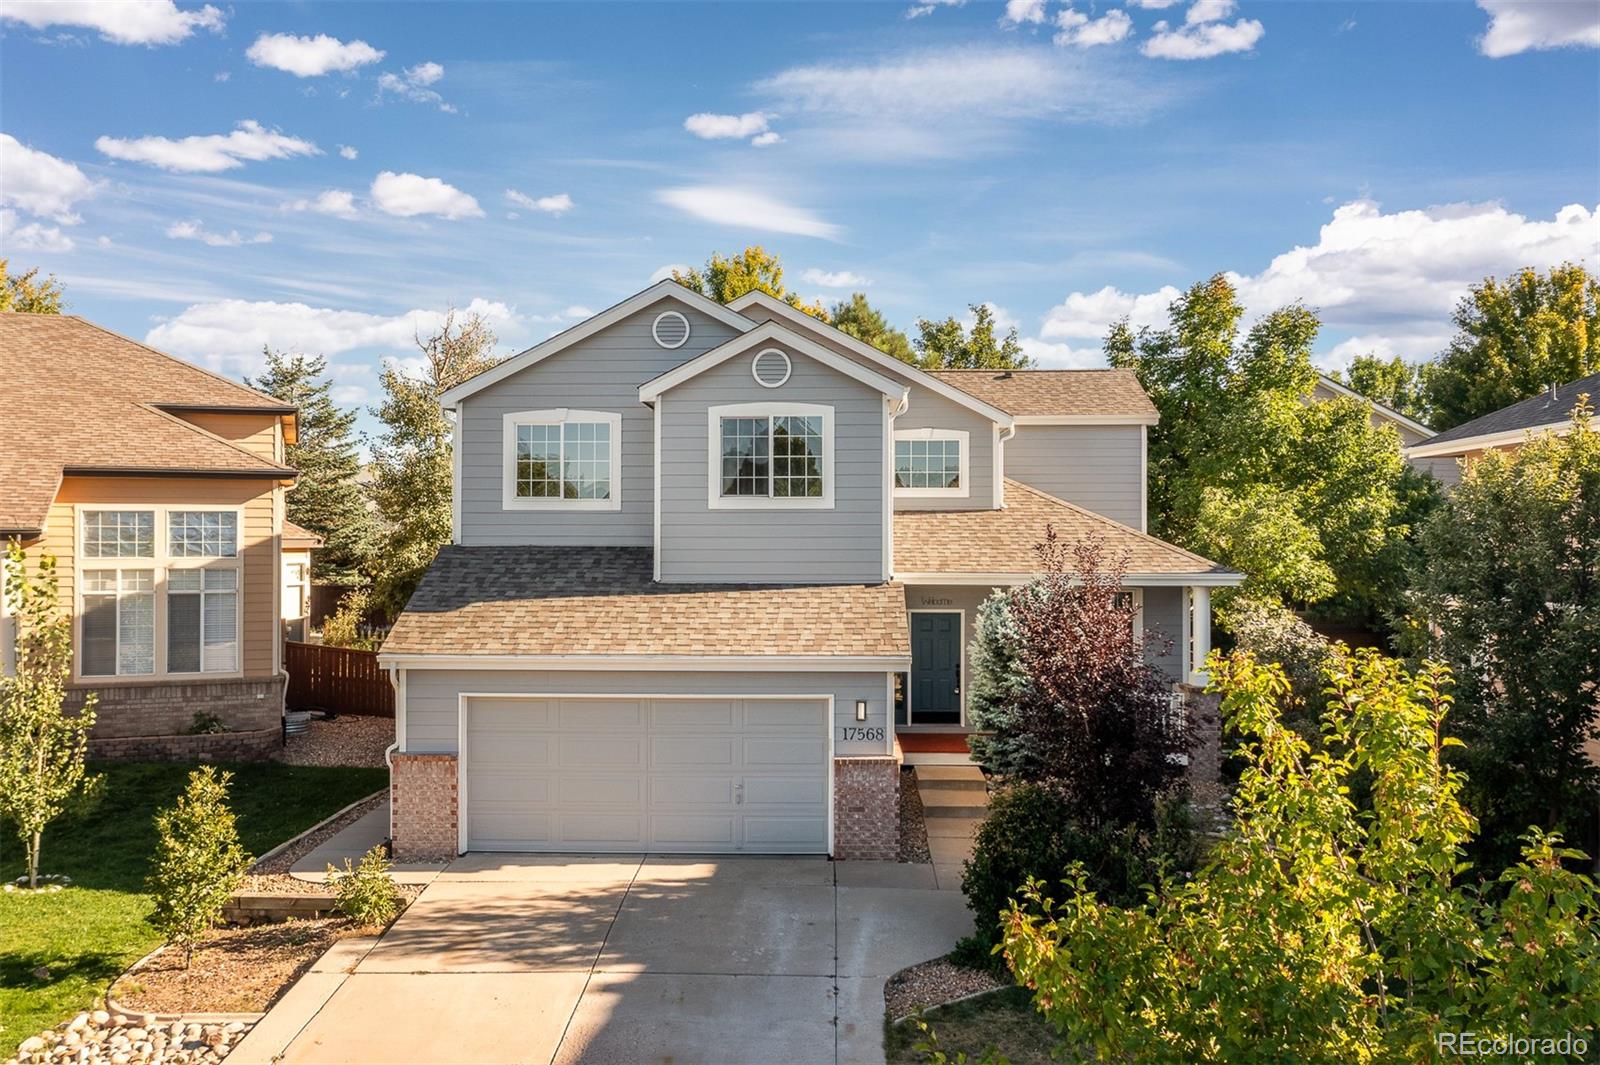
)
(101, 1038)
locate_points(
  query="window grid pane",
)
(586, 460)
(202, 533)
(796, 457)
(119, 534)
(927, 464)
(745, 463)
(539, 461)
(136, 623)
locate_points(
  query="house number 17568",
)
(853, 732)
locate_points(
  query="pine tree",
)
(327, 498)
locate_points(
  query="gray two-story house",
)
(714, 574)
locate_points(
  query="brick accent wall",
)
(150, 721)
(1205, 720)
(423, 807)
(866, 809)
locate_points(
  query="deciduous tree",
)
(327, 498)
(28, 294)
(726, 278)
(411, 458)
(42, 748)
(949, 345)
(198, 863)
(1515, 338)
(1399, 385)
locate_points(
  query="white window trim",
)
(714, 415)
(557, 416)
(160, 564)
(961, 436)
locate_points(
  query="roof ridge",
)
(1010, 483)
(224, 441)
(271, 400)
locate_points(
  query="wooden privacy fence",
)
(337, 679)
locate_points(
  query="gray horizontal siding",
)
(1446, 469)
(784, 544)
(1094, 466)
(603, 372)
(432, 696)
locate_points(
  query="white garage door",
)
(630, 774)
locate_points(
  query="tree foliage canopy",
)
(1509, 595)
(411, 458)
(198, 862)
(725, 278)
(1304, 497)
(327, 498)
(1399, 385)
(1515, 338)
(866, 323)
(949, 345)
(1320, 930)
(28, 294)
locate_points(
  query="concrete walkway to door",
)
(548, 958)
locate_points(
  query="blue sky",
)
(213, 178)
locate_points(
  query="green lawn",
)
(1004, 1019)
(88, 933)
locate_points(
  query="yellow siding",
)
(257, 543)
(256, 433)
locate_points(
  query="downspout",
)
(1000, 465)
(888, 482)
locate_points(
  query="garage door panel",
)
(693, 713)
(639, 773)
(691, 791)
(602, 791)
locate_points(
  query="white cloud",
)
(228, 335)
(742, 207)
(310, 57)
(920, 10)
(413, 84)
(209, 153)
(31, 236)
(767, 139)
(1153, 5)
(1388, 280)
(336, 202)
(408, 195)
(663, 272)
(1202, 39)
(1516, 27)
(1202, 11)
(708, 126)
(221, 76)
(1019, 12)
(833, 279)
(1079, 30)
(558, 204)
(231, 239)
(577, 310)
(118, 21)
(39, 183)
(347, 152)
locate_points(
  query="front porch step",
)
(953, 802)
(967, 771)
(940, 813)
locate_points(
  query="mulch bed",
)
(913, 829)
(234, 970)
(933, 983)
(346, 740)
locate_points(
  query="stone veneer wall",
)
(150, 722)
(423, 807)
(1205, 721)
(866, 809)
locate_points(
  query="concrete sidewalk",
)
(354, 840)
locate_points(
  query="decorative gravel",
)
(102, 1038)
(913, 829)
(345, 740)
(933, 983)
(285, 859)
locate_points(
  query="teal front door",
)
(936, 668)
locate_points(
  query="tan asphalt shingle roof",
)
(604, 601)
(1042, 392)
(80, 398)
(1002, 541)
(299, 536)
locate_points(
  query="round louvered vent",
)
(770, 367)
(670, 329)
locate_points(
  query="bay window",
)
(771, 455)
(158, 592)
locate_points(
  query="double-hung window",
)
(563, 459)
(931, 462)
(771, 455)
(159, 591)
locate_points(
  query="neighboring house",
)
(298, 544)
(158, 487)
(1411, 431)
(714, 567)
(1550, 411)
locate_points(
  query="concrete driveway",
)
(525, 958)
